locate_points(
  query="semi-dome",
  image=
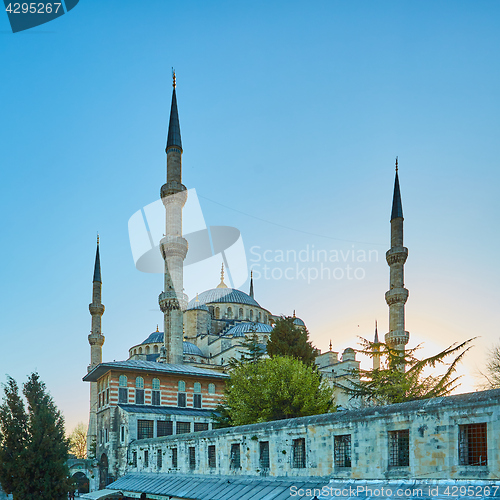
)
(298, 322)
(192, 349)
(154, 338)
(241, 329)
(224, 295)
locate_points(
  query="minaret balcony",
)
(173, 187)
(173, 246)
(171, 301)
(96, 309)
(396, 296)
(397, 338)
(396, 255)
(96, 339)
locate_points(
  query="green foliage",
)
(274, 389)
(287, 339)
(33, 447)
(253, 351)
(401, 377)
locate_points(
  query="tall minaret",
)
(96, 340)
(251, 284)
(173, 246)
(376, 348)
(396, 257)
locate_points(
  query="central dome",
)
(224, 295)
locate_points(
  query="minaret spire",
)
(96, 341)
(251, 284)
(173, 246)
(396, 257)
(376, 348)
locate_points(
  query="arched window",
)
(122, 381)
(155, 349)
(229, 313)
(139, 383)
(139, 391)
(140, 350)
(156, 384)
(182, 386)
(217, 313)
(241, 313)
(147, 349)
(251, 315)
(135, 351)
(259, 317)
(211, 388)
(197, 387)
(155, 393)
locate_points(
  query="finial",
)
(251, 274)
(173, 78)
(330, 345)
(157, 328)
(396, 163)
(294, 313)
(98, 238)
(222, 284)
(197, 299)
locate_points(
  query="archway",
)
(82, 482)
(103, 471)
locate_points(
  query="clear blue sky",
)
(291, 113)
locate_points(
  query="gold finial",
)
(98, 238)
(157, 328)
(222, 284)
(330, 345)
(197, 299)
(173, 78)
(251, 274)
(294, 313)
(396, 163)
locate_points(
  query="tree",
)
(274, 389)
(401, 377)
(253, 351)
(78, 441)
(492, 372)
(287, 339)
(33, 448)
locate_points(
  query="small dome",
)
(224, 295)
(349, 354)
(154, 338)
(241, 329)
(189, 348)
(298, 322)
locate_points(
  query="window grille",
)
(264, 454)
(146, 458)
(200, 426)
(211, 388)
(164, 428)
(235, 458)
(134, 459)
(159, 459)
(155, 398)
(139, 396)
(399, 448)
(299, 453)
(182, 386)
(144, 429)
(196, 400)
(181, 400)
(473, 444)
(139, 383)
(192, 457)
(197, 387)
(212, 462)
(122, 395)
(174, 458)
(156, 384)
(342, 450)
(183, 427)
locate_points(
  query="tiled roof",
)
(166, 410)
(224, 295)
(240, 329)
(152, 367)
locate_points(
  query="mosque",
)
(174, 379)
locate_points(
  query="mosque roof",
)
(187, 347)
(240, 329)
(135, 365)
(224, 295)
(197, 305)
(299, 322)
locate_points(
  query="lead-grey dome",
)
(224, 295)
(187, 347)
(241, 329)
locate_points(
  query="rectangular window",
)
(122, 433)
(342, 450)
(107, 396)
(155, 398)
(192, 457)
(235, 461)
(399, 448)
(181, 400)
(198, 427)
(146, 458)
(164, 428)
(473, 444)
(174, 458)
(144, 429)
(212, 462)
(134, 459)
(264, 454)
(182, 427)
(99, 404)
(196, 400)
(299, 453)
(139, 396)
(122, 395)
(159, 459)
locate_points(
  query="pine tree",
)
(253, 350)
(287, 339)
(41, 448)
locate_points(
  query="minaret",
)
(396, 257)
(96, 340)
(173, 246)
(251, 284)
(376, 348)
